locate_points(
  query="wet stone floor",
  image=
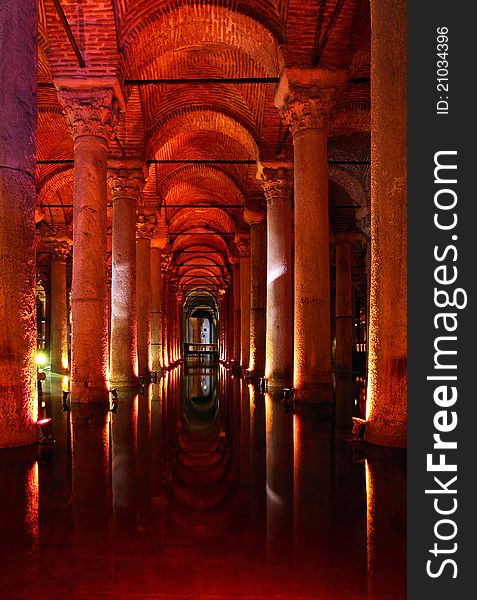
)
(201, 487)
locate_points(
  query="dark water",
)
(202, 487)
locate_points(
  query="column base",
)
(386, 433)
(317, 393)
(254, 376)
(276, 384)
(132, 381)
(59, 371)
(81, 394)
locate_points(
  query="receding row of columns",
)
(305, 99)
(303, 358)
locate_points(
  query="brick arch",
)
(216, 218)
(192, 183)
(203, 120)
(158, 31)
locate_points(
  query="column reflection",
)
(143, 465)
(279, 453)
(90, 452)
(312, 487)
(124, 440)
(19, 523)
(386, 523)
(258, 501)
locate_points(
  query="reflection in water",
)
(124, 439)
(19, 520)
(279, 479)
(386, 523)
(203, 487)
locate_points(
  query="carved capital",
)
(305, 97)
(363, 220)
(60, 248)
(145, 226)
(125, 183)
(303, 111)
(364, 223)
(254, 215)
(243, 245)
(90, 111)
(277, 183)
(165, 260)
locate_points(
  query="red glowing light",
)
(44, 421)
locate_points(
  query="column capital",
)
(160, 238)
(305, 97)
(60, 243)
(363, 220)
(277, 182)
(61, 250)
(126, 182)
(165, 260)
(254, 215)
(242, 242)
(145, 226)
(93, 111)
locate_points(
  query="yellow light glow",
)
(65, 384)
(41, 359)
(64, 361)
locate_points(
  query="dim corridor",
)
(202, 487)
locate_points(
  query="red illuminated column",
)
(91, 115)
(164, 316)
(125, 185)
(18, 76)
(221, 300)
(387, 359)
(179, 302)
(243, 245)
(308, 115)
(145, 226)
(344, 306)
(258, 290)
(172, 313)
(157, 244)
(279, 338)
(59, 323)
(237, 311)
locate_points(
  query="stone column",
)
(279, 338)
(157, 244)
(18, 74)
(164, 316)
(179, 301)
(258, 291)
(305, 98)
(171, 309)
(229, 324)
(243, 245)
(237, 311)
(91, 115)
(144, 231)
(221, 323)
(125, 185)
(387, 359)
(59, 323)
(344, 307)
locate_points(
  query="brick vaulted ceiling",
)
(180, 39)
